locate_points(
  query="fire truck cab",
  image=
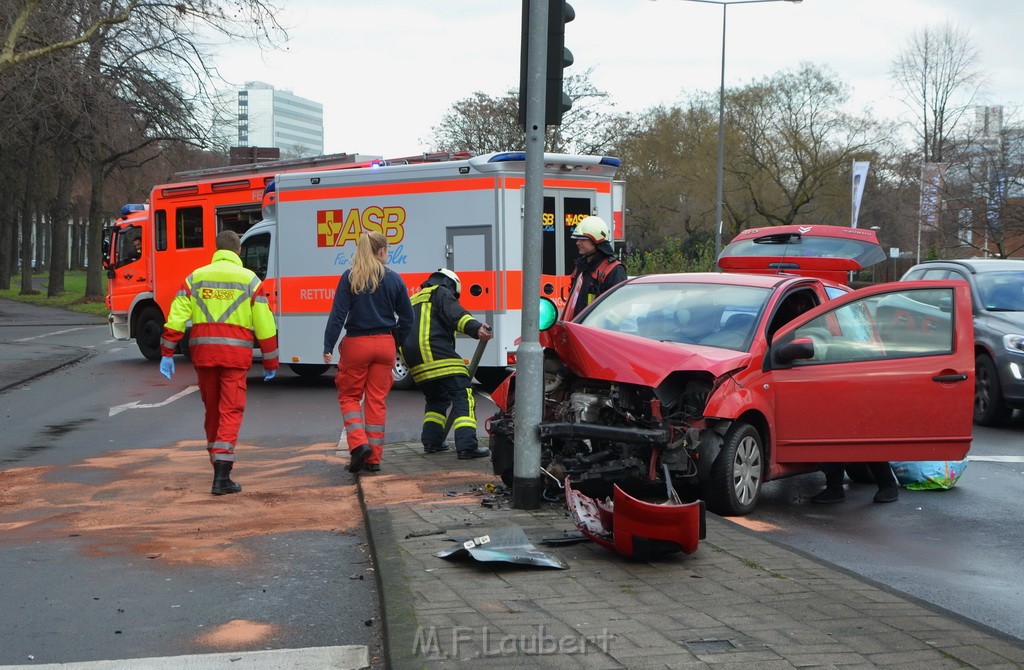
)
(464, 215)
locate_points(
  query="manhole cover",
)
(710, 646)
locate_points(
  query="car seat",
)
(733, 333)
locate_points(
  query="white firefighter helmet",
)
(591, 228)
(454, 277)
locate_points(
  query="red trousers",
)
(223, 392)
(363, 381)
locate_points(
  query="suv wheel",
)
(989, 408)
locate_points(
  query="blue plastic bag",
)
(928, 475)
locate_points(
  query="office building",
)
(269, 117)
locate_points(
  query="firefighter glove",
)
(167, 366)
(268, 375)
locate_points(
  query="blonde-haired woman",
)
(372, 304)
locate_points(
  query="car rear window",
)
(794, 245)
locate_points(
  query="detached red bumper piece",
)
(638, 529)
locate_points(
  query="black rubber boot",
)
(222, 483)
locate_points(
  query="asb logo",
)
(336, 227)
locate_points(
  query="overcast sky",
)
(386, 71)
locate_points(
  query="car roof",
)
(976, 265)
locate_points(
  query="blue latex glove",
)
(269, 374)
(167, 366)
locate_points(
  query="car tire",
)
(149, 327)
(989, 407)
(309, 370)
(401, 378)
(736, 475)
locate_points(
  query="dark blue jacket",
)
(386, 310)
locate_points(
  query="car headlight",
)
(1014, 343)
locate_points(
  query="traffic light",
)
(560, 13)
(557, 102)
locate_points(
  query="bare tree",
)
(938, 73)
(483, 124)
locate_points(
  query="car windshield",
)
(1002, 291)
(716, 315)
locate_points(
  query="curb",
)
(398, 616)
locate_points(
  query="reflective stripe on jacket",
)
(429, 351)
(227, 307)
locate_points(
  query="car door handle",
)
(961, 377)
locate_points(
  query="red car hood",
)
(605, 355)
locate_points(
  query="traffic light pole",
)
(526, 486)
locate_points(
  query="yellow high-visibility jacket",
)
(227, 307)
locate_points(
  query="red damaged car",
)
(719, 382)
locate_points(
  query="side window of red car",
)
(902, 324)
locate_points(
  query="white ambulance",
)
(464, 215)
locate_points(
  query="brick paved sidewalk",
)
(740, 601)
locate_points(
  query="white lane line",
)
(137, 405)
(58, 332)
(997, 459)
(349, 657)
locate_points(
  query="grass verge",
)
(71, 299)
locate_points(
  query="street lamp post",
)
(721, 114)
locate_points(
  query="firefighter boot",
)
(222, 483)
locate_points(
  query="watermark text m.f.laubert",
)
(485, 641)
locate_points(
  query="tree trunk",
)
(41, 243)
(94, 242)
(6, 230)
(59, 217)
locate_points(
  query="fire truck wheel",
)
(401, 377)
(308, 371)
(148, 329)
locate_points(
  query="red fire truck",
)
(177, 232)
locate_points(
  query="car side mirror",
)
(111, 274)
(802, 348)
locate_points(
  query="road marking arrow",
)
(137, 405)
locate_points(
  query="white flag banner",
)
(860, 175)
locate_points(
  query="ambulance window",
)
(549, 237)
(189, 228)
(255, 254)
(576, 209)
(160, 229)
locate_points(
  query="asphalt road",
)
(112, 546)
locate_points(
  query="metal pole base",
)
(526, 493)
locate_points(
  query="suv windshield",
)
(1001, 291)
(715, 315)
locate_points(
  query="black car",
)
(997, 294)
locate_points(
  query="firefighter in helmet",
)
(597, 270)
(438, 370)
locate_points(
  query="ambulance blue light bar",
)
(521, 156)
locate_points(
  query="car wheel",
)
(400, 376)
(148, 329)
(989, 408)
(308, 370)
(736, 474)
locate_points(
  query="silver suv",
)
(997, 294)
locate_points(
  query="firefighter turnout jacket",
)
(227, 306)
(429, 351)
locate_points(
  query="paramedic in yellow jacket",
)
(226, 305)
(440, 372)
